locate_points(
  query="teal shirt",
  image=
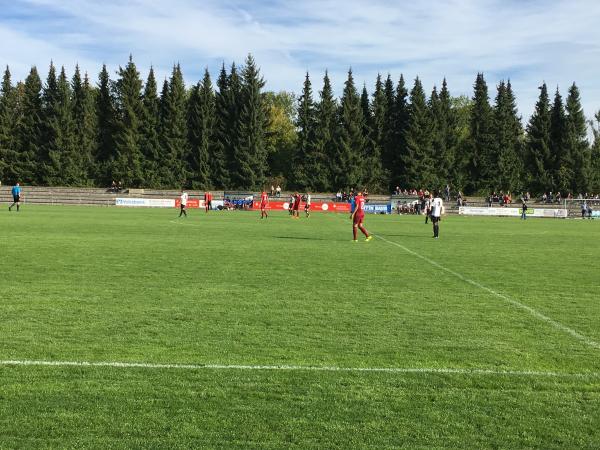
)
(16, 190)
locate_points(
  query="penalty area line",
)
(298, 368)
(535, 313)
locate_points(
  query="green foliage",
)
(8, 123)
(127, 165)
(84, 127)
(281, 136)
(562, 175)
(539, 159)
(509, 140)
(308, 162)
(250, 154)
(418, 161)
(576, 143)
(25, 161)
(483, 159)
(174, 133)
(150, 133)
(348, 164)
(325, 133)
(220, 143)
(106, 117)
(201, 114)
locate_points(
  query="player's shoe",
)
(354, 240)
(368, 238)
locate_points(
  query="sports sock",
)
(354, 232)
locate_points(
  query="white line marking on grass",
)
(397, 370)
(559, 326)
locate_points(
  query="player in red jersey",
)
(207, 201)
(264, 202)
(297, 199)
(358, 215)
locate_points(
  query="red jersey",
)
(297, 199)
(264, 198)
(359, 205)
(207, 197)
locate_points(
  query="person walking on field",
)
(437, 209)
(183, 203)
(16, 194)
(358, 215)
(524, 211)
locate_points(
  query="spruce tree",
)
(250, 155)
(418, 160)
(175, 147)
(483, 164)
(201, 118)
(62, 165)
(399, 122)
(150, 128)
(561, 171)
(8, 124)
(325, 134)
(29, 133)
(308, 162)
(127, 166)
(595, 156)
(106, 129)
(49, 169)
(445, 137)
(388, 149)
(509, 135)
(220, 141)
(379, 113)
(539, 159)
(234, 105)
(348, 164)
(576, 143)
(85, 126)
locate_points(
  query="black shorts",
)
(16, 198)
(435, 219)
(209, 204)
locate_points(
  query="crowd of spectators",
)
(347, 197)
(116, 187)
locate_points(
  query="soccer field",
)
(127, 328)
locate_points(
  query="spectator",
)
(338, 196)
(278, 191)
(272, 190)
(447, 192)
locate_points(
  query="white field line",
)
(292, 368)
(538, 315)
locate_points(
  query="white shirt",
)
(184, 198)
(308, 199)
(437, 207)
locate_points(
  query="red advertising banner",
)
(191, 203)
(315, 206)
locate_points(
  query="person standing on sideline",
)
(437, 209)
(264, 202)
(183, 203)
(584, 207)
(16, 194)
(524, 210)
(447, 192)
(428, 201)
(207, 201)
(358, 215)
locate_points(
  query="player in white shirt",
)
(307, 204)
(437, 209)
(183, 203)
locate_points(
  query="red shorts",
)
(296, 206)
(263, 205)
(358, 218)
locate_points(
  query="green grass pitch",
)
(494, 329)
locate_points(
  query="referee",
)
(16, 193)
(437, 208)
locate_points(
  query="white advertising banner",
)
(511, 212)
(146, 202)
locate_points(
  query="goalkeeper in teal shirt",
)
(16, 193)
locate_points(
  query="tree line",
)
(235, 135)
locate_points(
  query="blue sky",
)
(528, 41)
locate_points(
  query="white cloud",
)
(527, 41)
